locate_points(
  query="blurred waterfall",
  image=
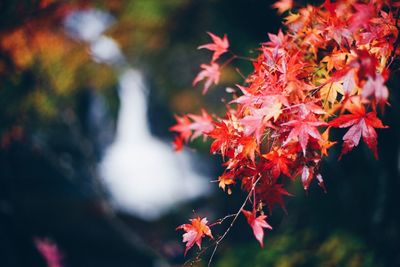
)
(143, 174)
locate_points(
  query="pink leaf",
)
(257, 224)
(210, 73)
(219, 46)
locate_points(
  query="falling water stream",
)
(144, 176)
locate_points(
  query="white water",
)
(144, 176)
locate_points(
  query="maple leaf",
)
(247, 147)
(182, 127)
(223, 135)
(219, 46)
(226, 179)
(376, 87)
(257, 224)
(361, 124)
(331, 7)
(259, 119)
(367, 64)
(278, 162)
(324, 143)
(330, 60)
(195, 231)
(330, 91)
(211, 73)
(302, 128)
(349, 83)
(277, 40)
(335, 60)
(272, 194)
(283, 5)
(339, 32)
(201, 124)
(362, 16)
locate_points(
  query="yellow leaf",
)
(329, 91)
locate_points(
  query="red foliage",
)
(257, 225)
(195, 231)
(332, 61)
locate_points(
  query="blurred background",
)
(88, 90)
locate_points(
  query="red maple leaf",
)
(259, 120)
(376, 88)
(211, 73)
(182, 127)
(223, 135)
(277, 162)
(302, 128)
(362, 16)
(195, 231)
(366, 63)
(272, 194)
(201, 124)
(249, 147)
(277, 40)
(257, 224)
(283, 5)
(219, 46)
(362, 124)
(331, 7)
(225, 179)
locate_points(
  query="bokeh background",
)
(88, 90)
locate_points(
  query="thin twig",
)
(233, 222)
(220, 221)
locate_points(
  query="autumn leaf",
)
(182, 127)
(376, 88)
(324, 143)
(223, 135)
(361, 124)
(366, 63)
(247, 147)
(283, 5)
(337, 60)
(219, 46)
(349, 83)
(329, 91)
(226, 179)
(195, 231)
(272, 194)
(210, 73)
(277, 40)
(257, 224)
(259, 119)
(362, 16)
(331, 7)
(329, 61)
(301, 129)
(201, 125)
(277, 162)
